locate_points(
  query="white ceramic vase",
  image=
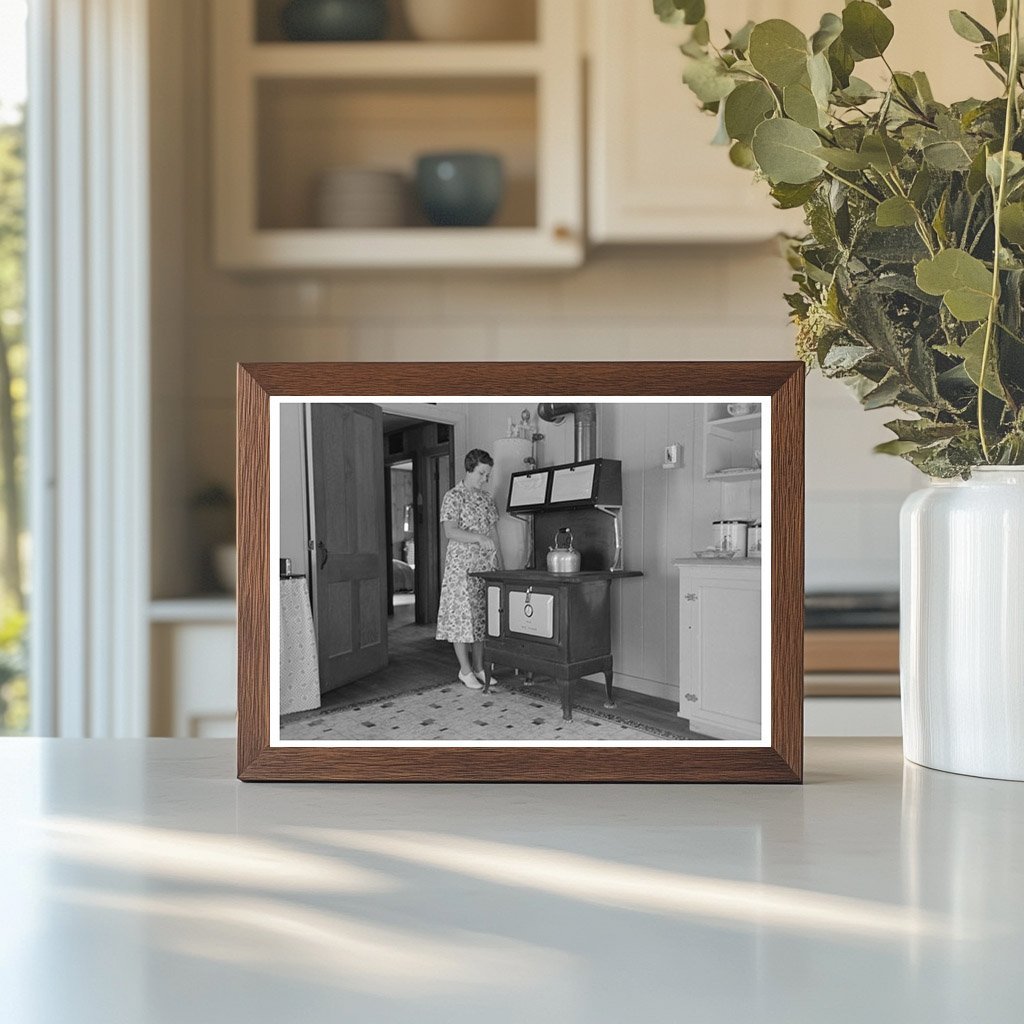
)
(962, 624)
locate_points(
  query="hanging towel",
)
(300, 674)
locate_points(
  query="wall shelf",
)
(730, 445)
(392, 60)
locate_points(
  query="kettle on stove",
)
(563, 559)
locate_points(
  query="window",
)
(14, 548)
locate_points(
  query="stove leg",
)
(528, 681)
(565, 686)
(488, 674)
(610, 702)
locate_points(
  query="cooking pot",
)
(563, 559)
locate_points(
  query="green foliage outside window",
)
(13, 415)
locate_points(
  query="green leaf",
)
(976, 174)
(963, 281)
(742, 155)
(789, 197)
(923, 431)
(1011, 226)
(785, 152)
(830, 28)
(971, 352)
(883, 153)
(739, 41)
(885, 394)
(800, 105)
(999, 7)
(701, 33)
(968, 28)
(946, 156)
(921, 185)
(745, 108)
(1014, 169)
(841, 60)
(844, 159)
(707, 80)
(858, 91)
(895, 447)
(924, 88)
(778, 50)
(866, 29)
(820, 76)
(896, 212)
(676, 12)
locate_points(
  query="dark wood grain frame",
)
(782, 761)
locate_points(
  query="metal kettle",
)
(563, 559)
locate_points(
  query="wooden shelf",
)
(737, 424)
(310, 248)
(729, 477)
(392, 60)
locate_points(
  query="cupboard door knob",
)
(691, 597)
(691, 697)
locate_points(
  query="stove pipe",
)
(585, 414)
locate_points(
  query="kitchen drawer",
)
(852, 650)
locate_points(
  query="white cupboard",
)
(653, 174)
(720, 671)
(287, 116)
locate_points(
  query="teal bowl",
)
(460, 190)
(334, 21)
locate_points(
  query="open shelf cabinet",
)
(285, 113)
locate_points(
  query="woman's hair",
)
(475, 457)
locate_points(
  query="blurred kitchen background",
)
(290, 217)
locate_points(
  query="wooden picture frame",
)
(776, 757)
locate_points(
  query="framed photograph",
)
(518, 572)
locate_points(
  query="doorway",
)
(419, 469)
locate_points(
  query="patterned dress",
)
(462, 612)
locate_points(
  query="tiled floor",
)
(416, 660)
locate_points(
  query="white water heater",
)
(510, 455)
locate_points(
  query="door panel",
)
(350, 567)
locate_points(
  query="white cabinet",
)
(720, 671)
(193, 673)
(653, 174)
(286, 113)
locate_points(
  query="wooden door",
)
(349, 547)
(436, 476)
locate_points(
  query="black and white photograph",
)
(522, 570)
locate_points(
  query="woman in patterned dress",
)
(470, 524)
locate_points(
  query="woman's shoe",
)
(471, 681)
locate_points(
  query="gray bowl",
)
(334, 20)
(460, 189)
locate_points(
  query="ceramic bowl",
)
(471, 20)
(460, 189)
(741, 409)
(334, 20)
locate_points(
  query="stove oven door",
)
(532, 614)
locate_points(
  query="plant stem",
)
(922, 225)
(993, 309)
(855, 187)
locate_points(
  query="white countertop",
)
(718, 563)
(142, 884)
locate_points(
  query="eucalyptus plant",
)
(910, 278)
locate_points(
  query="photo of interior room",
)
(622, 603)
